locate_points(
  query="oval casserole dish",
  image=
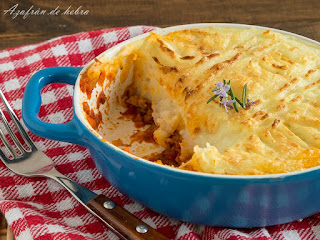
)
(198, 197)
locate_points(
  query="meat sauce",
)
(170, 155)
(140, 112)
(93, 118)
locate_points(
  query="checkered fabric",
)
(39, 208)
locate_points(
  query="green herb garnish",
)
(224, 90)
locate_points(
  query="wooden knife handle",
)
(121, 221)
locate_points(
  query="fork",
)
(31, 162)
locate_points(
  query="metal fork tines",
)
(23, 151)
(29, 161)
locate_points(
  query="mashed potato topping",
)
(279, 130)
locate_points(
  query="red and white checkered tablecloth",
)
(39, 208)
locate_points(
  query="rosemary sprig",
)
(238, 101)
(244, 96)
(212, 98)
(224, 90)
(230, 93)
(215, 89)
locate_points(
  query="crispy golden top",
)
(280, 129)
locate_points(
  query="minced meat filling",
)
(171, 154)
(140, 112)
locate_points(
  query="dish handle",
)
(31, 102)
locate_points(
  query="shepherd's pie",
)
(173, 76)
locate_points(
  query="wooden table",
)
(298, 16)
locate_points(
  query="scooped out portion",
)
(151, 99)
